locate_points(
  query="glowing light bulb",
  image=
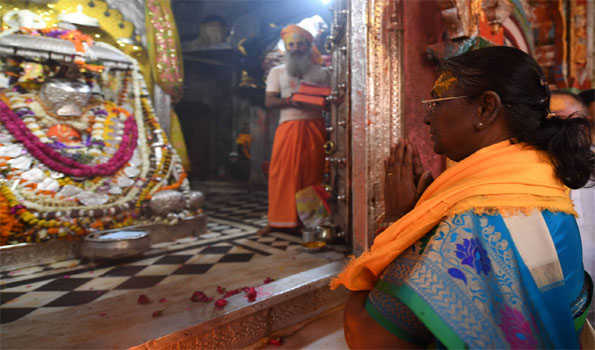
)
(326, 2)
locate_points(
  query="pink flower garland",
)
(65, 165)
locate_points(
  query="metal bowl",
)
(115, 244)
(308, 235)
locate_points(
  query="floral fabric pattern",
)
(517, 329)
(164, 47)
(467, 273)
(472, 253)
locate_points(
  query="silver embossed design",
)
(194, 200)
(64, 97)
(61, 49)
(134, 12)
(92, 199)
(167, 201)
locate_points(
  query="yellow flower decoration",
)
(244, 140)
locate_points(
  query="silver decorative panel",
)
(46, 47)
(134, 12)
(339, 151)
(162, 103)
(376, 112)
(359, 89)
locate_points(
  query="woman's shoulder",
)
(527, 232)
(511, 220)
(492, 233)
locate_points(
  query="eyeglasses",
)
(430, 105)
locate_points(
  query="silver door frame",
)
(375, 49)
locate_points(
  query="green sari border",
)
(389, 326)
(579, 322)
(425, 313)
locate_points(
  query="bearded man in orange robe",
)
(298, 157)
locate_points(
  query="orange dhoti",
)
(297, 162)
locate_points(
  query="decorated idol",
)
(80, 148)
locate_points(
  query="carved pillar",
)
(357, 48)
(376, 107)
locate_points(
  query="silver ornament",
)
(167, 201)
(194, 200)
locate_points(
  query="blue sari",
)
(488, 281)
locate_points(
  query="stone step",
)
(280, 304)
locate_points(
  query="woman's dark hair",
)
(524, 92)
(587, 96)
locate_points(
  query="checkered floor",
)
(236, 204)
(234, 217)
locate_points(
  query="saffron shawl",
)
(504, 177)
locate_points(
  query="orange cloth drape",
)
(505, 177)
(297, 162)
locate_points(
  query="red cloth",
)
(297, 162)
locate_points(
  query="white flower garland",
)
(44, 206)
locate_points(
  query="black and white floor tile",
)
(234, 217)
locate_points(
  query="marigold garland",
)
(25, 216)
(8, 223)
(13, 216)
(175, 185)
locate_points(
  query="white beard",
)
(298, 64)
